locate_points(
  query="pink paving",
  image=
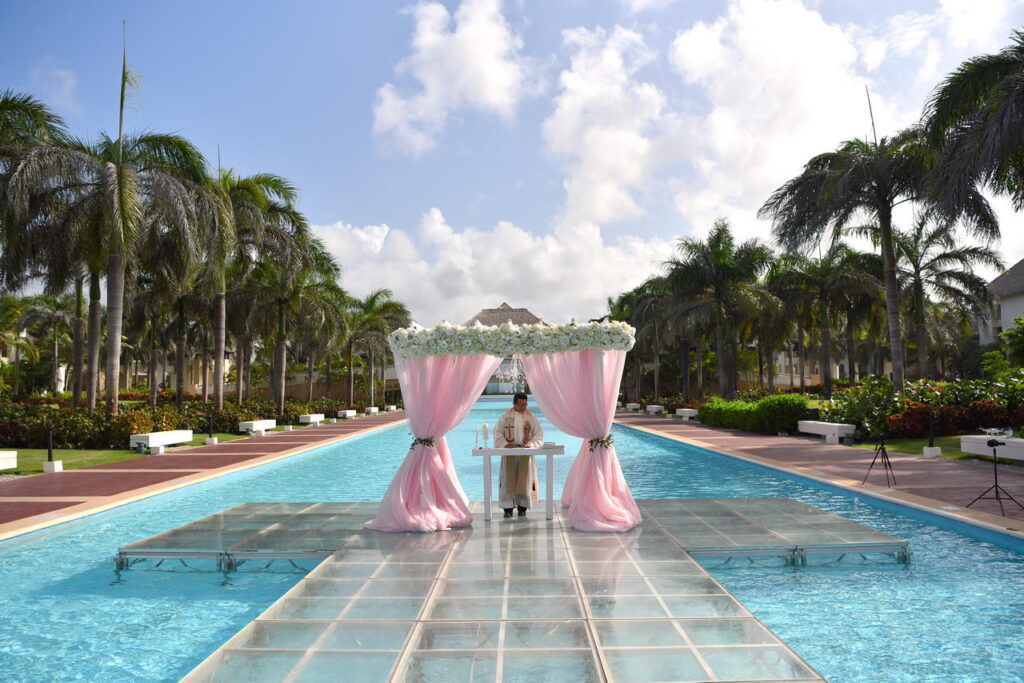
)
(949, 482)
(105, 484)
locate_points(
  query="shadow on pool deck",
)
(38, 501)
(935, 484)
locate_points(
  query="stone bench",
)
(686, 413)
(372, 410)
(978, 445)
(632, 406)
(312, 419)
(832, 431)
(156, 441)
(256, 427)
(390, 409)
(8, 460)
(655, 409)
(346, 414)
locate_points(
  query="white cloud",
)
(782, 85)
(442, 272)
(637, 6)
(604, 126)
(57, 86)
(475, 64)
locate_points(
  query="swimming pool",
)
(955, 613)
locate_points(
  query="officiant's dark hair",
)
(519, 396)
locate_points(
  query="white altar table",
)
(549, 473)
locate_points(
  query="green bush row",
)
(25, 425)
(774, 414)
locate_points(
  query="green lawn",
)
(950, 448)
(30, 460)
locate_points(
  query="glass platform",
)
(523, 599)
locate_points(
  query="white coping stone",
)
(155, 441)
(832, 431)
(653, 409)
(8, 460)
(313, 419)
(632, 406)
(372, 410)
(257, 427)
(686, 413)
(346, 414)
(978, 445)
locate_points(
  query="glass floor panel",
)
(525, 599)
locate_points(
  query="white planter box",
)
(256, 427)
(655, 409)
(978, 444)
(155, 441)
(372, 410)
(632, 406)
(346, 414)
(311, 419)
(832, 431)
(390, 409)
(686, 413)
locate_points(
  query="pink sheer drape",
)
(577, 391)
(438, 391)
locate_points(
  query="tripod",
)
(880, 452)
(999, 492)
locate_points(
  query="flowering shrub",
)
(983, 415)
(867, 406)
(508, 339)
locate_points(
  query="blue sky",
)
(544, 153)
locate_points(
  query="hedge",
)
(774, 414)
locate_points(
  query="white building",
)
(1008, 289)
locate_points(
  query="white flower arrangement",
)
(509, 339)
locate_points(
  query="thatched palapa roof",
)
(503, 314)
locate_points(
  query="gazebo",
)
(574, 372)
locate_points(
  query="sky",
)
(544, 153)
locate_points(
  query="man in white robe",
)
(517, 477)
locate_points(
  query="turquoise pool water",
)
(956, 613)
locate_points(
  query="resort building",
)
(1008, 289)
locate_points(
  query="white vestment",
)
(517, 476)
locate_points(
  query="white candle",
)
(483, 428)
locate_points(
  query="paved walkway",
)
(942, 485)
(35, 502)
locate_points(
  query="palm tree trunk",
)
(351, 395)
(923, 371)
(78, 344)
(639, 367)
(892, 297)
(115, 316)
(95, 315)
(179, 357)
(206, 374)
(792, 365)
(248, 369)
(219, 342)
(56, 360)
(372, 387)
(327, 369)
(239, 368)
(153, 384)
(16, 382)
(723, 388)
(826, 351)
(803, 362)
(685, 359)
(771, 369)
(760, 364)
(309, 379)
(850, 350)
(280, 360)
(700, 366)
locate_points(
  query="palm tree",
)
(51, 318)
(975, 122)
(821, 282)
(931, 260)
(872, 178)
(720, 279)
(115, 185)
(375, 314)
